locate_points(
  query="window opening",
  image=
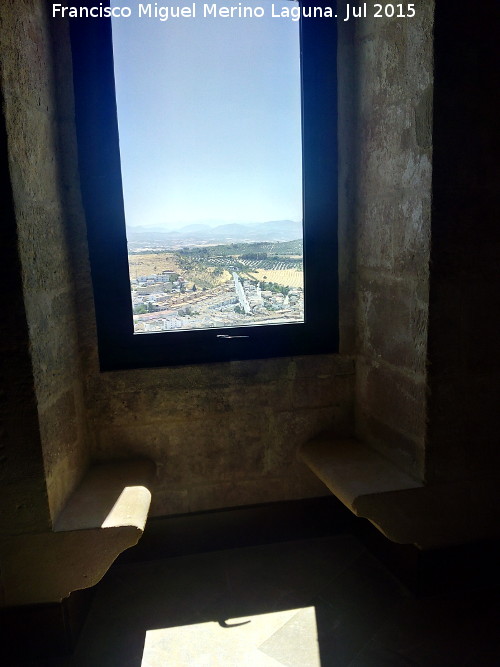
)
(211, 162)
(170, 286)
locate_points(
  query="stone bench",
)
(352, 471)
(405, 510)
(105, 515)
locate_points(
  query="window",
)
(194, 292)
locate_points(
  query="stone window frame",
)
(100, 177)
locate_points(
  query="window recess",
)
(249, 141)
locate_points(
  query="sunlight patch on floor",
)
(266, 640)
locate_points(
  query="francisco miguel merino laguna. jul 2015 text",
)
(237, 11)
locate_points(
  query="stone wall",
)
(222, 434)
(386, 69)
(33, 124)
(225, 434)
(464, 313)
(23, 494)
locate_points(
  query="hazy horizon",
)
(208, 223)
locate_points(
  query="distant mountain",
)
(195, 227)
(146, 229)
(273, 230)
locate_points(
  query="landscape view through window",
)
(209, 116)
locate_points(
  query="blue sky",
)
(209, 118)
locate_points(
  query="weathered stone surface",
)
(225, 434)
(23, 494)
(233, 494)
(393, 398)
(437, 515)
(406, 452)
(463, 441)
(385, 196)
(403, 509)
(394, 234)
(47, 567)
(65, 454)
(394, 323)
(291, 430)
(21, 455)
(26, 75)
(104, 516)
(111, 494)
(323, 366)
(25, 506)
(35, 167)
(321, 392)
(352, 470)
(219, 426)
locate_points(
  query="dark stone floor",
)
(320, 602)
